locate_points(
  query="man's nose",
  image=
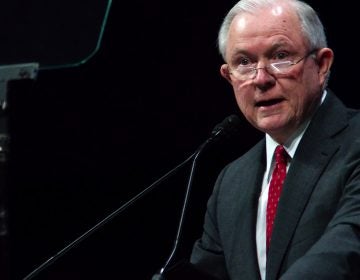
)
(263, 78)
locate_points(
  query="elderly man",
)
(289, 208)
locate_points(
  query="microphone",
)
(226, 128)
(229, 126)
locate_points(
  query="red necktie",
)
(276, 183)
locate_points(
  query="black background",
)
(86, 139)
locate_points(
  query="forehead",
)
(276, 25)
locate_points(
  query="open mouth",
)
(269, 102)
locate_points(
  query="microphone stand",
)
(170, 261)
(112, 215)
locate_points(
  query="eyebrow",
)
(270, 50)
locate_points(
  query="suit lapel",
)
(311, 158)
(243, 257)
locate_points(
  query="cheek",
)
(242, 93)
(297, 100)
(301, 105)
(243, 99)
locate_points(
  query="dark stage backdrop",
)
(86, 139)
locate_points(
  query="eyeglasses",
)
(245, 72)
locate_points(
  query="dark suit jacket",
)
(316, 233)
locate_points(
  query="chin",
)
(272, 130)
(270, 127)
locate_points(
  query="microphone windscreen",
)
(229, 126)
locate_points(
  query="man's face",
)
(275, 104)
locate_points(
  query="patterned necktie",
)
(276, 183)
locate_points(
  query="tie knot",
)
(280, 154)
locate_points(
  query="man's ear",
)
(224, 71)
(325, 58)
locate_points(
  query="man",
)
(278, 64)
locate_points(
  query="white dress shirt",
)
(290, 147)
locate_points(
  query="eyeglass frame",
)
(254, 70)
